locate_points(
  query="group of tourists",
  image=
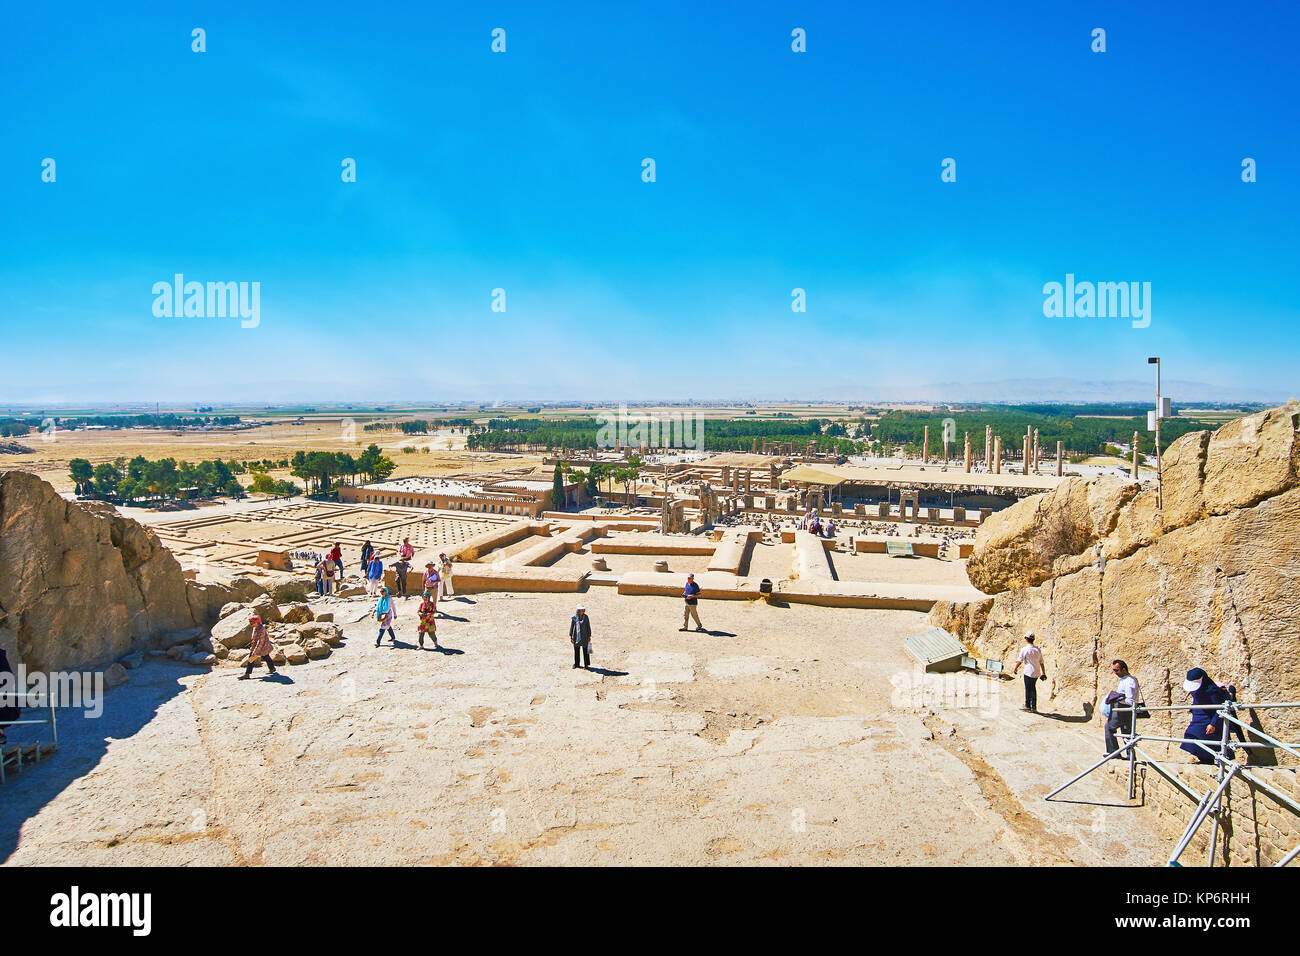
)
(812, 522)
(329, 571)
(436, 583)
(1204, 737)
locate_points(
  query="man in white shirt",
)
(1035, 670)
(1123, 712)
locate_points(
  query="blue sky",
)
(522, 171)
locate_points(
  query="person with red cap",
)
(260, 647)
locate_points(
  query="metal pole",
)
(1214, 832)
(1208, 804)
(1160, 474)
(1074, 780)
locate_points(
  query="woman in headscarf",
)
(260, 647)
(428, 619)
(9, 709)
(385, 611)
(374, 573)
(1206, 725)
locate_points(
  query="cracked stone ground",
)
(781, 737)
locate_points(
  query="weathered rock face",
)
(1211, 579)
(81, 585)
(1047, 535)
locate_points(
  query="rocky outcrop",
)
(81, 585)
(1209, 578)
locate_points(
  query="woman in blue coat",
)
(1206, 723)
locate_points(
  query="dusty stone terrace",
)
(785, 735)
(235, 538)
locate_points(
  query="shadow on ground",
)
(83, 741)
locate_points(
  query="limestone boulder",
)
(80, 586)
(246, 589)
(206, 601)
(296, 613)
(291, 588)
(1046, 535)
(1210, 580)
(293, 653)
(232, 608)
(316, 649)
(1252, 458)
(331, 634)
(266, 608)
(233, 631)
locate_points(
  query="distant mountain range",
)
(1023, 390)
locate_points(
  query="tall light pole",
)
(1155, 360)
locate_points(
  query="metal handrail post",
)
(1103, 760)
(1223, 752)
(1209, 804)
(1272, 740)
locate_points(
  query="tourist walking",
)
(320, 578)
(374, 573)
(407, 551)
(336, 555)
(260, 647)
(1035, 670)
(432, 582)
(400, 570)
(580, 636)
(1205, 727)
(428, 612)
(1121, 706)
(444, 570)
(691, 595)
(385, 613)
(328, 570)
(367, 550)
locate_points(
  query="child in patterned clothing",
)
(428, 613)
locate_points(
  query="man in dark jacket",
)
(9, 709)
(580, 636)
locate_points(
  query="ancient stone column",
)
(1060, 456)
(988, 447)
(997, 455)
(1135, 456)
(925, 447)
(1035, 451)
(968, 451)
(1028, 452)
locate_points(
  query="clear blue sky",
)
(522, 171)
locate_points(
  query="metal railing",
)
(18, 754)
(1208, 804)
